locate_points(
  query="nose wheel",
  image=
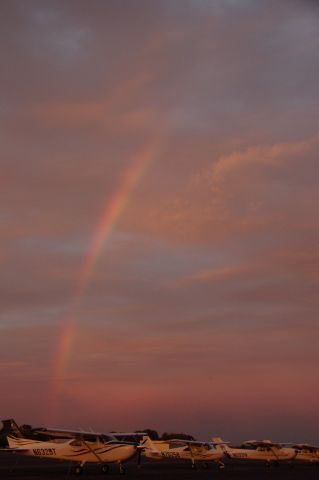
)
(78, 470)
(122, 470)
(105, 469)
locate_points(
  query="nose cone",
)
(128, 451)
(215, 454)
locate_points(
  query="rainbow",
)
(110, 215)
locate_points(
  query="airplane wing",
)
(261, 443)
(121, 438)
(305, 446)
(14, 450)
(66, 433)
(130, 436)
(195, 443)
(192, 445)
(189, 443)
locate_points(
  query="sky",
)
(159, 216)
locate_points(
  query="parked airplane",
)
(82, 447)
(306, 453)
(257, 450)
(182, 450)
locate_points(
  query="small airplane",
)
(306, 453)
(182, 450)
(264, 450)
(80, 447)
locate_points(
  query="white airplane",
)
(181, 450)
(264, 450)
(82, 448)
(306, 453)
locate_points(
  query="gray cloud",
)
(211, 265)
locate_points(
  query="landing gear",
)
(105, 469)
(122, 470)
(205, 465)
(194, 466)
(78, 470)
(221, 465)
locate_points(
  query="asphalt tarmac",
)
(14, 467)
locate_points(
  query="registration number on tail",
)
(170, 454)
(44, 452)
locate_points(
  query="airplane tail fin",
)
(10, 427)
(219, 444)
(148, 445)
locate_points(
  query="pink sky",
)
(159, 216)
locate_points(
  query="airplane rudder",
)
(219, 444)
(148, 444)
(11, 427)
(16, 429)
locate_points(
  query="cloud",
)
(211, 270)
(272, 156)
(244, 192)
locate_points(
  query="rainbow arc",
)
(111, 213)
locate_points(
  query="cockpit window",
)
(174, 445)
(106, 438)
(76, 443)
(248, 446)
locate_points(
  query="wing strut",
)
(93, 451)
(274, 453)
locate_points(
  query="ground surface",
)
(16, 467)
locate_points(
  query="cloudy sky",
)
(159, 215)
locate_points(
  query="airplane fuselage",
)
(273, 454)
(184, 453)
(73, 450)
(305, 455)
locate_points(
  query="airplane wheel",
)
(122, 470)
(105, 469)
(78, 470)
(221, 466)
(205, 465)
(194, 467)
